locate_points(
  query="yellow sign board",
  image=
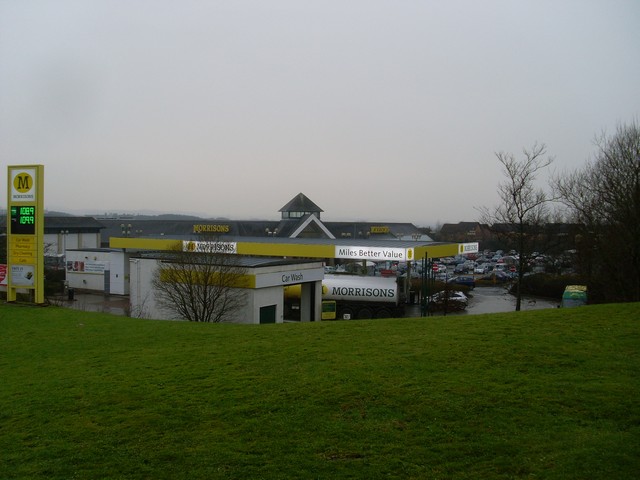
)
(22, 242)
(25, 230)
(22, 260)
(22, 252)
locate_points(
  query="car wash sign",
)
(375, 254)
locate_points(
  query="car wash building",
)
(259, 288)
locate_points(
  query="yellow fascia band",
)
(286, 250)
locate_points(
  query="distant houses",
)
(464, 232)
(556, 236)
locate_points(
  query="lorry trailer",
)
(352, 297)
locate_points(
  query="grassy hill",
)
(550, 394)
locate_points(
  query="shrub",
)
(54, 281)
(547, 285)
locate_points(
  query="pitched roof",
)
(68, 222)
(301, 203)
(460, 227)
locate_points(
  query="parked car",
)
(509, 260)
(458, 259)
(451, 300)
(460, 268)
(509, 270)
(481, 269)
(441, 277)
(466, 280)
(496, 277)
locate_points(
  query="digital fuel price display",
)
(23, 220)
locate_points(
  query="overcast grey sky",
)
(376, 110)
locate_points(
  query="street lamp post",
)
(63, 234)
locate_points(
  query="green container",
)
(574, 296)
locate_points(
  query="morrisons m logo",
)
(23, 182)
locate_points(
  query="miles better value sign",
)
(376, 254)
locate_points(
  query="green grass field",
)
(551, 394)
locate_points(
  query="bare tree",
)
(200, 282)
(604, 197)
(523, 208)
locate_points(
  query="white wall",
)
(85, 269)
(119, 273)
(263, 297)
(141, 298)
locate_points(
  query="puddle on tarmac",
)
(494, 300)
